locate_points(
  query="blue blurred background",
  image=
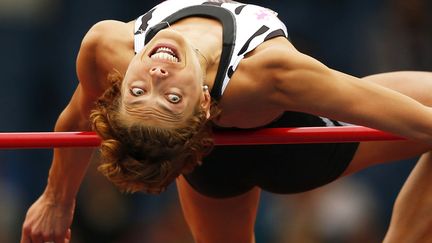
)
(39, 40)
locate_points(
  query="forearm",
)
(397, 102)
(67, 172)
(69, 165)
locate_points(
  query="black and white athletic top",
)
(245, 26)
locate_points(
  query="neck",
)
(205, 35)
(204, 64)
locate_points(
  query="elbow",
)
(424, 131)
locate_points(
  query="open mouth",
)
(163, 52)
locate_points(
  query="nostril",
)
(157, 70)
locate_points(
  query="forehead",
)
(158, 120)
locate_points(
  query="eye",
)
(137, 91)
(174, 98)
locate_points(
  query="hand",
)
(48, 221)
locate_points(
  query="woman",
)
(187, 66)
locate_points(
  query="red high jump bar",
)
(297, 135)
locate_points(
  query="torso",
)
(245, 94)
(246, 100)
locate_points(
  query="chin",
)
(170, 34)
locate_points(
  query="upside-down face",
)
(164, 82)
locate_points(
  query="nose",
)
(158, 72)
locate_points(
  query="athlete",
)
(154, 89)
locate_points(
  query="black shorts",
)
(289, 168)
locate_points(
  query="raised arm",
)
(304, 84)
(49, 218)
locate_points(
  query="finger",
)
(67, 236)
(36, 238)
(48, 238)
(25, 238)
(25, 235)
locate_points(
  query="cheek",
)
(195, 84)
(192, 76)
(196, 69)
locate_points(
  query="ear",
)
(206, 102)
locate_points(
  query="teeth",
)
(165, 49)
(165, 53)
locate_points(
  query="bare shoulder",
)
(264, 65)
(104, 48)
(107, 46)
(109, 33)
(248, 98)
(269, 58)
(272, 72)
(280, 54)
(277, 60)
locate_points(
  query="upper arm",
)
(76, 113)
(303, 84)
(95, 60)
(101, 52)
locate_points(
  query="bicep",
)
(302, 83)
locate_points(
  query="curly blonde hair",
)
(138, 157)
